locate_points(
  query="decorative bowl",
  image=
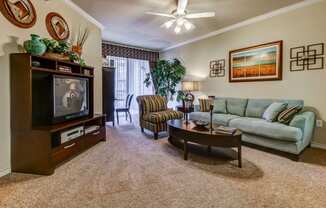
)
(200, 123)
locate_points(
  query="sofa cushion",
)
(162, 116)
(261, 127)
(223, 119)
(236, 106)
(204, 104)
(273, 111)
(220, 119)
(257, 107)
(287, 115)
(220, 106)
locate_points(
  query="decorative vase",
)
(35, 46)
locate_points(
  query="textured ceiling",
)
(125, 21)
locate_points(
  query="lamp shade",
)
(190, 86)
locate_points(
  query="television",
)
(70, 98)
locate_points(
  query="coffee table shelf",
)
(188, 133)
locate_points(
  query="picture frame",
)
(57, 26)
(20, 13)
(262, 62)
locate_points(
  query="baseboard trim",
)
(4, 172)
(318, 145)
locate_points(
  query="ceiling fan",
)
(180, 17)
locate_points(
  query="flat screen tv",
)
(70, 98)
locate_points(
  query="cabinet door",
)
(108, 93)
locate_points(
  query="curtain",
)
(137, 74)
(110, 49)
(129, 79)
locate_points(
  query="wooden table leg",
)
(209, 149)
(239, 157)
(185, 149)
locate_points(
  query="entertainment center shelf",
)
(38, 69)
(38, 144)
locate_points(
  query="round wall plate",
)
(57, 26)
(19, 12)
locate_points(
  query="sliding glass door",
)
(129, 79)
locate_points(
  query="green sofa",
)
(246, 115)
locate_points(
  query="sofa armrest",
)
(306, 122)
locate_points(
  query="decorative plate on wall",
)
(57, 26)
(19, 12)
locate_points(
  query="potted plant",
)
(56, 49)
(166, 76)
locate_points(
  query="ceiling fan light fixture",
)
(188, 25)
(177, 29)
(168, 24)
(180, 21)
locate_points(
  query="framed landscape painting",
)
(256, 63)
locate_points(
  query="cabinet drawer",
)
(66, 151)
(93, 138)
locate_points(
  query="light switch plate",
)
(319, 123)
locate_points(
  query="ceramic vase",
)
(35, 45)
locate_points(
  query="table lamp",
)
(188, 87)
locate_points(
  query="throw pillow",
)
(287, 115)
(219, 106)
(273, 110)
(204, 104)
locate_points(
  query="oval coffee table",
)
(179, 131)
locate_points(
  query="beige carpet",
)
(132, 170)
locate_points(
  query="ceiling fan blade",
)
(182, 4)
(200, 15)
(160, 14)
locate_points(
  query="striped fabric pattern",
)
(204, 104)
(287, 115)
(153, 113)
(152, 103)
(162, 116)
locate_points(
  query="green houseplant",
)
(166, 76)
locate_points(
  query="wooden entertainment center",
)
(36, 145)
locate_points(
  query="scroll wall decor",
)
(309, 57)
(19, 12)
(217, 68)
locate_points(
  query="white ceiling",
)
(125, 21)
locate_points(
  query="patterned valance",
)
(126, 52)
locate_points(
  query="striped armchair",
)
(153, 113)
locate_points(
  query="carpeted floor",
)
(132, 170)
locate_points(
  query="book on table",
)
(225, 130)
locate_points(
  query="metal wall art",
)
(19, 12)
(217, 68)
(309, 57)
(57, 26)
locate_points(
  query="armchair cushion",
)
(162, 116)
(152, 103)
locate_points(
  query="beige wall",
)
(11, 36)
(296, 28)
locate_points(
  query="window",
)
(129, 79)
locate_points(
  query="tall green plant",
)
(166, 76)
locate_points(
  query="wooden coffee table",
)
(179, 131)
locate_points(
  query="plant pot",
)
(35, 46)
(58, 56)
